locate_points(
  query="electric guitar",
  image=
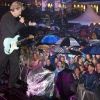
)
(11, 44)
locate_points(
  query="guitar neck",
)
(22, 40)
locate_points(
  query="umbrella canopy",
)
(95, 42)
(67, 42)
(50, 39)
(54, 28)
(91, 50)
(58, 49)
(43, 47)
(74, 52)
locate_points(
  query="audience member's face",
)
(98, 67)
(31, 52)
(37, 53)
(75, 59)
(94, 61)
(81, 59)
(77, 71)
(27, 51)
(90, 68)
(62, 59)
(59, 64)
(98, 56)
(40, 63)
(51, 53)
(21, 51)
(35, 56)
(71, 61)
(47, 62)
(56, 60)
(24, 58)
(87, 56)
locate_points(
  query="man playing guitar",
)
(9, 27)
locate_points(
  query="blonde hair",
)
(16, 5)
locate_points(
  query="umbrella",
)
(67, 42)
(54, 28)
(50, 39)
(94, 41)
(74, 52)
(91, 50)
(43, 47)
(58, 49)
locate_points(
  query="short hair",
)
(16, 5)
(79, 57)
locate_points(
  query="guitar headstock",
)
(31, 36)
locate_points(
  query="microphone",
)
(20, 18)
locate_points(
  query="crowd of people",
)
(69, 72)
(65, 75)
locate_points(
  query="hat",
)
(87, 63)
(92, 65)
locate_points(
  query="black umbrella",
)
(65, 41)
(74, 52)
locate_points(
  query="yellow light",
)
(94, 6)
(82, 6)
(97, 9)
(74, 6)
(78, 5)
(48, 4)
(8, 4)
(59, 5)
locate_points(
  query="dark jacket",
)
(89, 80)
(50, 67)
(10, 27)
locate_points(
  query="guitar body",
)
(10, 44)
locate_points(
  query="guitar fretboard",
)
(22, 40)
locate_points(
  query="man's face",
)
(17, 12)
(77, 71)
(98, 67)
(90, 68)
(48, 62)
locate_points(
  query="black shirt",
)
(9, 25)
(50, 67)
